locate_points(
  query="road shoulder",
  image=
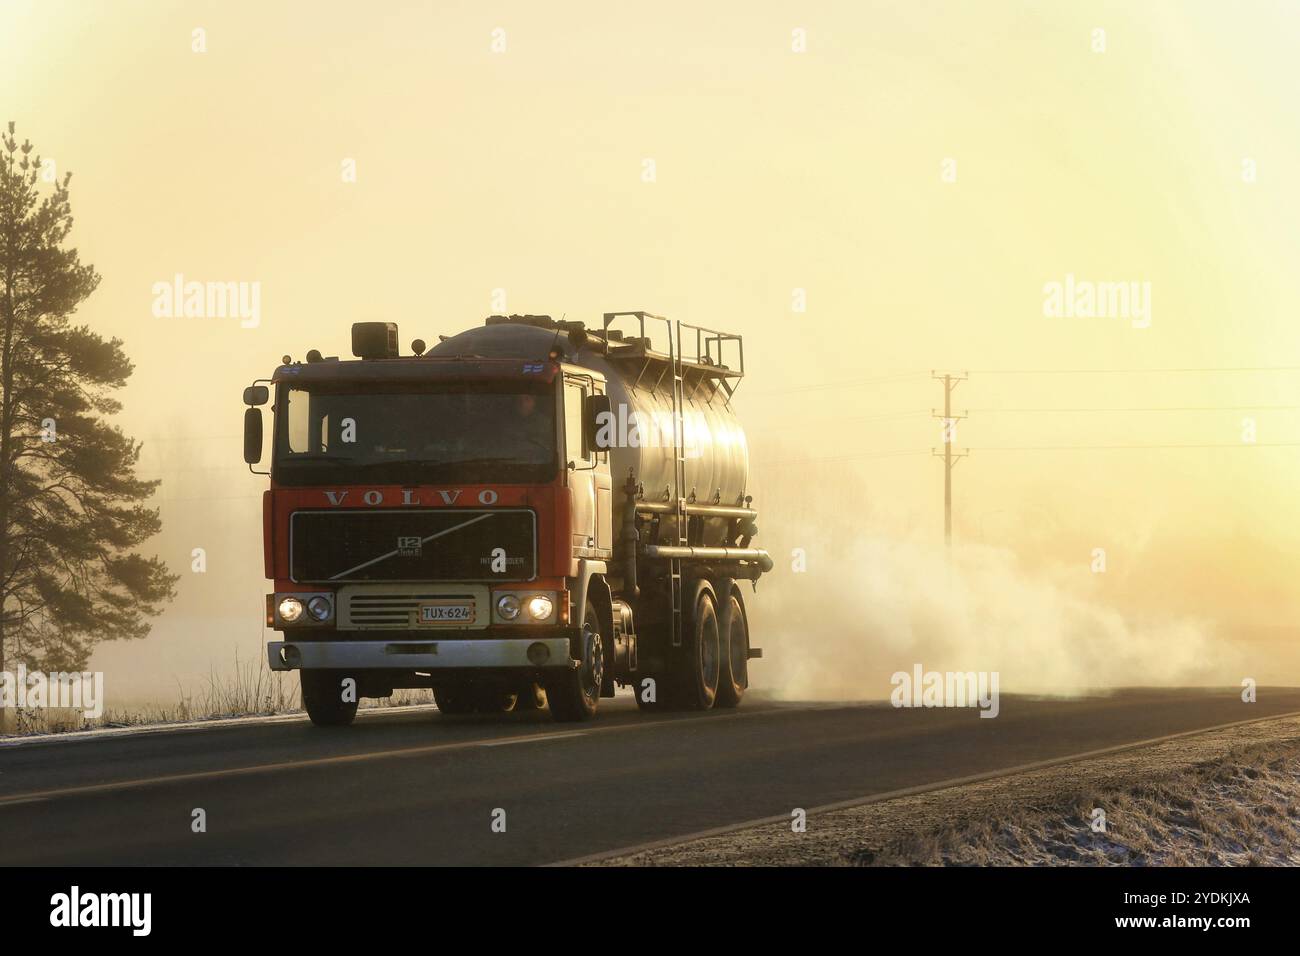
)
(1187, 800)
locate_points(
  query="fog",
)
(868, 606)
(875, 207)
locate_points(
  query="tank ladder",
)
(679, 475)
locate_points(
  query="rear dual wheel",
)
(734, 645)
(697, 664)
(711, 667)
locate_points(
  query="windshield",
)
(329, 434)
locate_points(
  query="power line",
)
(1156, 408)
(853, 383)
(1282, 444)
(866, 455)
(856, 420)
(905, 375)
(1135, 371)
(902, 453)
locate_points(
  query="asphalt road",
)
(416, 787)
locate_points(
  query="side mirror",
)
(596, 412)
(252, 436)
(256, 395)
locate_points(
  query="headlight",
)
(508, 606)
(290, 610)
(319, 608)
(540, 607)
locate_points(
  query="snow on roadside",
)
(1225, 797)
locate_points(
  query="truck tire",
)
(697, 664)
(575, 694)
(322, 696)
(734, 647)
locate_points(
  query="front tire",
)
(575, 694)
(322, 696)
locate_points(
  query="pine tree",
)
(72, 511)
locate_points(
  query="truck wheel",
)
(322, 696)
(454, 700)
(575, 694)
(698, 661)
(734, 644)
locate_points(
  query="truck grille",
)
(365, 607)
(417, 545)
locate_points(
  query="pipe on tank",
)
(757, 555)
(710, 511)
(629, 537)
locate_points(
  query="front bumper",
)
(423, 655)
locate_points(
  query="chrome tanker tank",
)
(640, 393)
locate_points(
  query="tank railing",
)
(710, 352)
(706, 341)
(709, 357)
(610, 317)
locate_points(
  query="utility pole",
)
(950, 460)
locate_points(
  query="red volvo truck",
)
(529, 514)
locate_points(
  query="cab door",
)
(604, 496)
(579, 460)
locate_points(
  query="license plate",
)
(447, 612)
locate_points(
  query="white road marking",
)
(528, 740)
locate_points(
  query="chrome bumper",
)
(417, 655)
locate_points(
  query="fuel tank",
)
(640, 393)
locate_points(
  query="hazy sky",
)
(921, 171)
